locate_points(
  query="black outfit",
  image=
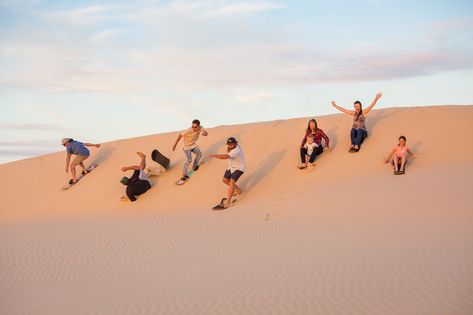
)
(317, 150)
(136, 186)
(235, 175)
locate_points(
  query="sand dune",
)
(347, 237)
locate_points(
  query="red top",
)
(318, 135)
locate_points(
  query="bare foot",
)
(141, 154)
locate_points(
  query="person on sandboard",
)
(358, 131)
(81, 153)
(138, 183)
(236, 168)
(190, 137)
(398, 156)
(317, 134)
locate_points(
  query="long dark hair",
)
(357, 114)
(308, 125)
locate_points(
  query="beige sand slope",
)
(345, 238)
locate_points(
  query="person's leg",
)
(352, 137)
(130, 192)
(303, 154)
(77, 160)
(359, 137)
(84, 170)
(230, 179)
(231, 189)
(198, 156)
(403, 162)
(314, 154)
(187, 163)
(307, 158)
(395, 162)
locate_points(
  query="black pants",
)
(314, 154)
(137, 188)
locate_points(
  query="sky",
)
(97, 71)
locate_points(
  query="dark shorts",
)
(235, 175)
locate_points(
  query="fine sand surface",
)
(347, 237)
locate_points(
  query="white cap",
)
(65, 140)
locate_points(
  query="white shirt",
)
(310, 147)
(143, 175)
(236, 160)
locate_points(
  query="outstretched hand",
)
(124, 169)
(97, 145)
(334, 104)
(378, 96)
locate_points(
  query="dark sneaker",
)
(196, 167)
(185, 177)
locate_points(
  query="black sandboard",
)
(160, 159)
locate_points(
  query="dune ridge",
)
(347, 237)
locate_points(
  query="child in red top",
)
(399, 156)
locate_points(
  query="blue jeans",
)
(357, 136)
(188, 153)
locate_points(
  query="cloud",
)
(247, 97)
(242, 8)
(21, 149)
(31, 126)
(182, 45)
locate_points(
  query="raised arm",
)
(132, 167)
(220, 156)
(143, 160)
(343, 110)
(142, 165)
(177, 141)
(92, 145)
(204, 132)
(376, 98)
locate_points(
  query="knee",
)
(226, 180)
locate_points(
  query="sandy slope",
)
(345, 238)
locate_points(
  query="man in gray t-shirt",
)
(81, 154)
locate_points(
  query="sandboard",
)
(220, 206)
(160, 159)
(70, 184)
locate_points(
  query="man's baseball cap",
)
(231, 140)
(65, 140)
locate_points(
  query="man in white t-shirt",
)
(190, 137)
(236, 168)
